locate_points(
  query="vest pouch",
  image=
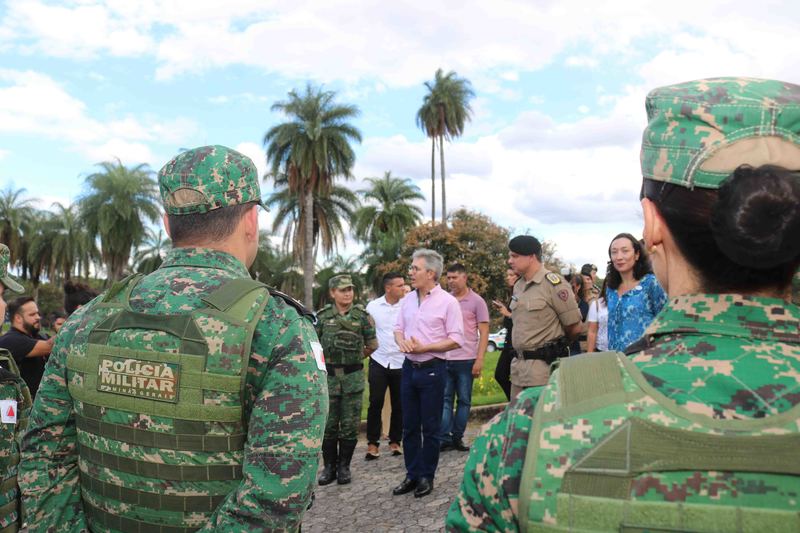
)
(348, 341)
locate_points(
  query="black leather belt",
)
(341, 370)
(547, 352)
(424, 364)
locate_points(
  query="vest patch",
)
(144, 379)
(8, 411)
(319, 356)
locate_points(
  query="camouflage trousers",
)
(345, 393)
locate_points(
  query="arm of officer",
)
(566, 308)
(489, 493)
(48, 469)
(287, 402)
(368, 331)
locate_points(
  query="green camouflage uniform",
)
(343, 338)
(15, 406)
(229, 439)
(698, 428)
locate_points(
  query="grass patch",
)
(485, 390)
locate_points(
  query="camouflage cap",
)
(700, 131)
(207, 178)
(8, 281)
(342, 281)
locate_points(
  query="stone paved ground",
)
(367, 504)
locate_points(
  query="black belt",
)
(341, 370)
(424, 364)
(547, 352)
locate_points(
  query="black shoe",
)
(405, 487)
(443, 447)
(396, 450)
(424, 487)
(329, 458)
(459, 445)
(346, 449)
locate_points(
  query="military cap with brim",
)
(208, 178)
(525, 245)
(699, 132)
(342, 281)
(5, 279)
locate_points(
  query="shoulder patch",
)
(300, 308)
(553, 278)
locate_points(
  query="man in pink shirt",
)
(466, 362)
(428, 325)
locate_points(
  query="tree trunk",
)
(308, 252)
(441, 175)
(433, 179)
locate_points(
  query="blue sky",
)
(552, 148)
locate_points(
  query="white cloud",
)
(256, 153)
(582, 61)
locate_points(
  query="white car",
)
(496, 340)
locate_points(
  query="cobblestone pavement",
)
(367, 504)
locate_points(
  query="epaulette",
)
(300, 308)
(552, 278)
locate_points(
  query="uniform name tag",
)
(144, 379)
(318, 355)
(8, 411)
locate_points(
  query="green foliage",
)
(472, 240)
(150, 254)
(338, 265)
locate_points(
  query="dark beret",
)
(525, 245)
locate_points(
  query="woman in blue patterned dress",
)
(633, 294)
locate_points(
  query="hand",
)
(500, 306)
(412, 345)
(477, 368)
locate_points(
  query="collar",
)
(436, 289)
(23, 332)
(465, 294)
(537, 278)
(205, 258)
(734, 315)
(382, 301)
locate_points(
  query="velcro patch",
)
(563, 294)
(318, 355)
(152, 380)
(8, 411)
(553, 278)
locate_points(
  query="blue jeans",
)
(422, 391)
(458, 382)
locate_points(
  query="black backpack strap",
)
(300, 308)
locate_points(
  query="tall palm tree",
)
(15, 209)
(38, 252)
(330, 212)
(390, 212)
(310, 149)
(73, 248)
(150, 253)
(119, 200)
(276, 268)
(444, 112)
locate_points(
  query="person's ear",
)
(654, 225)
(251, 222)
(165, 220)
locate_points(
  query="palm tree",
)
(14, 211)
(276, 268)
(445, 110)
(114, 209)
(39, 253)
(330, 212)
(310, 149)
(391, 214)
(150, 254)
(73, 248)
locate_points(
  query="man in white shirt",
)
(385, 367)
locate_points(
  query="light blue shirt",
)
(631, 313)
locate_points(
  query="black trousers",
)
(502, 372)
(379, 379)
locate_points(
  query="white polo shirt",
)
(388, 355)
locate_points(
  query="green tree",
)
(114, 210)
(338, 264)
(445, 111)
(276, 268)
(15, 209)
(389, 210)
(39, 256)
(150, 253)
(472, 240)
(311, 149)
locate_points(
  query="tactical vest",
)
(342, 338)
(16, 403)
(159, 408)
(608, 452)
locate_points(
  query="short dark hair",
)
(740, 237)
(15, 306)
(212, 226)
(456, 267)
(389, 276)
(76, 295)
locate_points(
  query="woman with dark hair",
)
(502, 372)
(77, 295)
(697, 426)
(633, 294)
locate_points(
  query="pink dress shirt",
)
(437, 318)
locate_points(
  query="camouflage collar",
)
(732, 315)
(206, 258)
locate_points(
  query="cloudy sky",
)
(552, 148)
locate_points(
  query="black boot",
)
(346, 449)
(329, 460)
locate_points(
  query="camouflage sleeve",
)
(368, 331)
(48, 470)
(489, 493)
(289, 396)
